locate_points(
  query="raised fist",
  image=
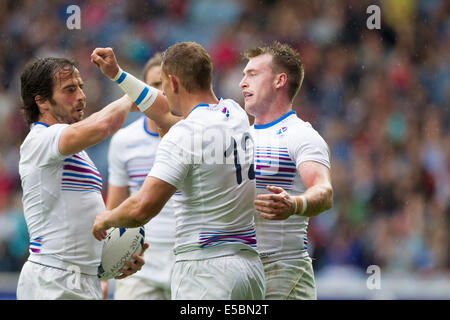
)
(105, 59)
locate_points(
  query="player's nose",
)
(81, 95)
(243, 84)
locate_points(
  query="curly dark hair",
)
(37, 79)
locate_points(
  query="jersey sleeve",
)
(173, 158)
(46, 150)
(117, 171)
(308, 145)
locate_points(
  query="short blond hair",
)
(191, 63)
(284, 59)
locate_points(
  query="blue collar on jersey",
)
(44, 124)
(197, 106)
(153, 134)
(202, 105)
(268, 125)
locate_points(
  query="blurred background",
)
(380, 98)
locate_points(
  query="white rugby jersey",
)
(208, 157)
(61, 197)
(280, 146)
(131, 157)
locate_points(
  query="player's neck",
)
(151, 125)
(193, 100)
(47, 119)
(272, 114)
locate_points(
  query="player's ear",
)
(280, 80)
(174, 83)
(43, 104)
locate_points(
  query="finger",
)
(132, 268)
(98, 60)
(269, 216)
(97, 50)
(102, 51)
(128, 271)
(274, 197)
(99, 235)
(96, 236)
(137, 263)
(96, 63)
(269, 210)
(145, 247)
(270, 204)
(121, 276)
(274, 189)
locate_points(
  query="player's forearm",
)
(132, 213)
(140, 93)
(94, 129)
(108, 120)
(317, 199)
(113, 116)
(160, 113)
(149, 100)
(116, 195)
(128, 215)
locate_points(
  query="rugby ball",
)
(118, 247)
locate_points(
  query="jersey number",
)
(251, 170)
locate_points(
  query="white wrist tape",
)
(142, 94)
(304, 205)
(295, 206)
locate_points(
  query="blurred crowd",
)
(378, 97)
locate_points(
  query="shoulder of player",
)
(40, 139)
(232, 103)
(304, 136)
(236, 107)
(296, 124)
(41, 132)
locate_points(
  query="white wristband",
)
(295, 206)
(304, 205)
(142, 94)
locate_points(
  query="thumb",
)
(274, 189)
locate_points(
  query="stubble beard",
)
(61, 114)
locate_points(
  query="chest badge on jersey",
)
(282, 130)
(226, 112)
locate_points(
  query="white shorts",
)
(233, 277)
(39, 282)
(152, 282)
(291, 279)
